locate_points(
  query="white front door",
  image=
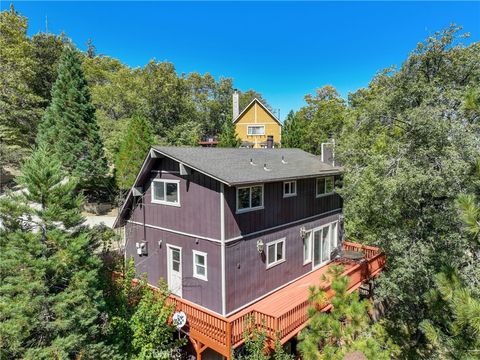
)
(174, 264)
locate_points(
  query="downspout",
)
(222, 246)
(144, 224)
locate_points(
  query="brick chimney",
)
(236, 105)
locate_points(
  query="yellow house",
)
(255, 124)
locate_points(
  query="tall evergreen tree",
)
(51, 302)
(133, 149)
(20, 107)
(69, 128)
(294, 132)
(228, 137)
(346, 328)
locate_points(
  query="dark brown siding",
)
(204, 293)
(199, 211)
(247, 277)
(277, 209)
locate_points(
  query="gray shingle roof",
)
(232, 166)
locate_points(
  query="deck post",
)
(228, 339)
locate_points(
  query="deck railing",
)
(223, 334)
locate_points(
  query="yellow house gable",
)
(255, 123)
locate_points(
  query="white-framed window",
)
(325, 185)
(307, 248)
(249, 198)
(290, 188)
(166, 192)
(256, 129)
(200, 265)
(275, 253)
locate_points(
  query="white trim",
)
(275, 262)
(165, 202)
(237, 237)
(264, 108)
(222, 247)
(173, 172)
(290, 194)
(257, 126)
(205, 255)
(240, 211)
(174, 231)
(317, 195)
(310, 240)
(282, 225)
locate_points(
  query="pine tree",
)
(51, 302)
(346, 328)
(69, 128)
(228, 137)
(132, 152)
(453, 330)
(293, 132)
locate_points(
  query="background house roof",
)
(236, 166)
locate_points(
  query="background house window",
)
(289, 188)
(200, 265)
(256, 130)
(250, 198)
(325, 185)
(166, 192)
(275, 252)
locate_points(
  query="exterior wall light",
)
(260, 246)
(142, 248)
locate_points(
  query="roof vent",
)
(265, 167)
(283, 160)
(252, 163)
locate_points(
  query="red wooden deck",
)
(282, 313)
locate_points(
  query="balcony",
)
(282, 313)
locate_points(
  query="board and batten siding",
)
(204, 293)
(199, 210)
(277, 209)
(247, 276)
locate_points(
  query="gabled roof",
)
(236, 166)
(256, 101)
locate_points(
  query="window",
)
(307, 248)
(256, 130)
(166, 192)
(249, 198)
(275, 252)
(200, 265)
(289, 188)
(325, 185)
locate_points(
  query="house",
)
(238, 234)
(256, 124)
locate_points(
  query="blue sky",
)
(282, 49)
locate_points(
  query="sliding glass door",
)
(324, 242)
